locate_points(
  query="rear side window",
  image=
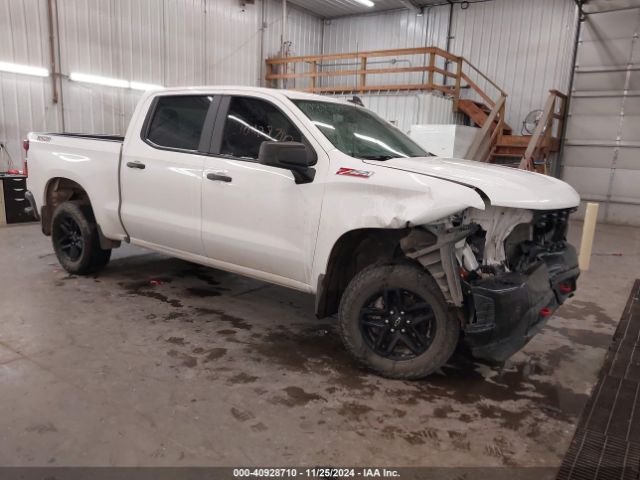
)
(178, 121)
(251, 121)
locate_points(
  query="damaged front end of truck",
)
(504, 270)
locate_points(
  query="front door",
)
(255, 216)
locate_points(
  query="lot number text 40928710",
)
(317, 472)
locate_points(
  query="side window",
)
(177, 121)
(251, 121)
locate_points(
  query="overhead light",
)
(144, 86)
(112, 82)
(23, 69)
(106, 81)
(366, 3)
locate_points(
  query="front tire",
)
(394, 320)
(76, 241)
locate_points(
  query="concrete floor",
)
(160, 362)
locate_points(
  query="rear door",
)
(161, 173)
(255, 216)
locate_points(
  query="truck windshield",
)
(358, 132)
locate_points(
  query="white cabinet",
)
(452, 141)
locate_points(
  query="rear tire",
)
(394, 320)
(76, 240)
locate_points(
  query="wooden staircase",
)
(478, 113)
(525, 151)
(476, 96)
(509, 148)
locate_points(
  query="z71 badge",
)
(352, 172)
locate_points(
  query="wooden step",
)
(506, 155)
(478, 113)
(514, 141)
(514, 151)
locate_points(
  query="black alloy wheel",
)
(76, 239)
(397, 324)
(394, 319)
(69, 238)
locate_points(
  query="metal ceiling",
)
(340, 8)
(598, 6)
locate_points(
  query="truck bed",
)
(91, 161)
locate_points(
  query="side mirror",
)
(294, 156)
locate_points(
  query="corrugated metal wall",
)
(169, 42)
(602, 145)
(381, 31)
(525, 47)
(24, 100)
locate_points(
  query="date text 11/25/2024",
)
(317, 472)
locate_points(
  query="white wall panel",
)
(436, 109)
(525, 47)
(24, 101)
(304, 30)
(381, 31)
(304, 35)
(167, 42)
(114, 39)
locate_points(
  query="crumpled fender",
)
(392, 199)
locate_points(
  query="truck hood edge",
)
(503, 186)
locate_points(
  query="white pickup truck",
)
(415, 253)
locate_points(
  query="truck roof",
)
(291, 94)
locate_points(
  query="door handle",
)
(218, 177)
(139, 165)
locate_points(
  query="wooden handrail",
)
(488, 135)
(543, 137)
(361, 71)
(369, 54)
(557, 93)
(491, 82)
(478, 90)
(312, 69)
(379, 88)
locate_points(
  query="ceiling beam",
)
(412, 5)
